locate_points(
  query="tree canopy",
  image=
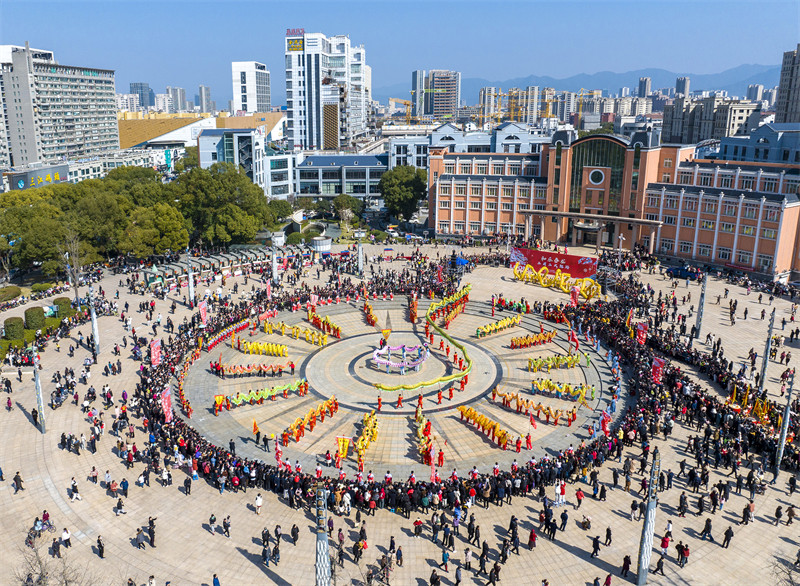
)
(130, 211)
(402, 189)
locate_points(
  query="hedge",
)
(28, 336)
(9, 292)
(34, 318)
(63, 304)
(41, 287)
(14, 327)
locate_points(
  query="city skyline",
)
(178, 56)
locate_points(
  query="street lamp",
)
(619, 252)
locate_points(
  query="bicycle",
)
(47, 525)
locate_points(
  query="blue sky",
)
(187, 43)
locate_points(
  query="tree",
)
(47, 571)
(73, 256)
(221, 204)
(189, 161)
(402, 189)
(154, 230)
(280, 208)
(346, 207)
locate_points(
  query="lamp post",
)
(701, 306)
(619, 252)
(191, 279)
(95, 330)
(648, 527)
(323, 558)
(767, 347)
(784, 427)
(39, 401)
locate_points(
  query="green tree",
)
(189, 161)
(154, 230)
(280, 208)
(402, 189)
(221, 204)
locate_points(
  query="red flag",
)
(641, 333)
(658, 369)
(439, 274)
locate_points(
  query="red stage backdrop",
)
(577, 266)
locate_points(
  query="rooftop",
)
(717, 191)
(345, 161)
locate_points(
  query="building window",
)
(729, 209)
(709, 207)
(474, 226)
(666, 178)
(444, 203)
(465, 168)
(748, 230)
(764, 262)
(771, 214)
(461, 189)
(671, 202)
(444, 227)
(688, 222)
(685, 247)
(723, 253)
(667, 245)
(474, 205)
(746, 183)
(725, 181)
(540, 193)
(726, 227)
(507, 206)
(449, 168)
(514, 169)
(653, 217)
(770, 234)
(491, 190)
(750, 211)
(508, 192)
(744, 257)
(459, 205)
(652, 201)
(690, 204)
(707, 224)
(497, 170)
(668, 163)
(669, 220)
(480, 169)
(770, 185)
(685, 178)
(490, 228)
(475, 190)
(458, 227)
(491, 205)
(523, 192)
(704, 250)
(705, 179)
(444, 190)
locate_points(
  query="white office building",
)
(53, 112)
(128, 102)
(326, 94)
(251, 87)
(164, 103)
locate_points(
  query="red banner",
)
(166, 403)
(658, 369)
(204, 312)
(439, 274)
(155, 352)
(577, 266)
(269, 290)
(641, 333)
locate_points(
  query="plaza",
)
(188, 552)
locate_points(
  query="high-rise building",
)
(146, 95)
(164, 103)
(326, 94)
(755, 92)
(178, 98)
(487, 102)
(128, 102)
(206, 105)
(690, 122)
(523, 104)
(445, 92)
(418, 95)
(644, 87)
(251, 87)
(788, 106)
(770, 96)
(624, 92)
(54, 111)
(368, 83)
(682, 86)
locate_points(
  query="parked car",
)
(684, 272)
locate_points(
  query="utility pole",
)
(785, 426)
(649, 525)
(701, 306)
(275, 278)
(767, 347)
(360, 260)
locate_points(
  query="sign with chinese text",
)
(577, 266)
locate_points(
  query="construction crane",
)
(407, 104)
(419, 118)
(581, 94)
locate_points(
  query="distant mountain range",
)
(734, 80)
